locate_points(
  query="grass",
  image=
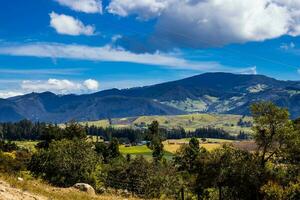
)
(142, 151)
(189, 122)
(169, 148)
(138, 150)
(211, 143)
(41, 188)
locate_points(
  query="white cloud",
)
(144, 9)
(59, 86)
(45, 71)
(91, 84)
(7, 94)
(198, 23)
(251, 70)
(64, 24)
(87, 6)
(107, 53)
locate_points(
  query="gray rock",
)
(85, 188)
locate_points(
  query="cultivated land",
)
(170, 146)
(189, 122)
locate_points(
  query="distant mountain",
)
(205, 93)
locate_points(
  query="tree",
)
(50, 133)
(113, 148)
(271, 129)
(1, 133)
(234, 173)
(155, 141)
(186, 157)
(74, 130)
(65, 162)
(108, 152)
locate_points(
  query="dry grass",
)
(174, 145)
(40, 188)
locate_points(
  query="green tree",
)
(108, 151)
(65, 162)
(113, 148)
(74, 130)
(187, 156)
(271, 129)
(155, 139)
(233, 173)
(1, 133)
(50, 133)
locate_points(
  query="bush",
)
(8, 146)
(14, 163)
(65, 163)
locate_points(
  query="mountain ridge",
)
(205, 93)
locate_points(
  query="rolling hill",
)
(206, 93)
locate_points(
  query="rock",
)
(125, 193)
(20, 179)
(85, 188)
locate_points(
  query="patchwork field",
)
(229, 123)
(170, 146)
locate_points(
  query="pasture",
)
(189, 122)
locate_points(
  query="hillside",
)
(206, 93)
(190, 122)
(31, 189)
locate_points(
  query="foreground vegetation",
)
(65, 156)
(41, 188)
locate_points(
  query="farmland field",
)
(142, 151)
(210, 144)
(189, 122)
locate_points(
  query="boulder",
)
(20, 179)
(85, 188)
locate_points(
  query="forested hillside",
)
(205, 93)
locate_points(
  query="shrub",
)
(65, 162)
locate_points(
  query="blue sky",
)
(82, 46)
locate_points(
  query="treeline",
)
(22, 130)
(27, 130)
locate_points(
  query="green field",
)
(189, 122)
(141, 151)
(133, 150)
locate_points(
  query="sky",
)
(83, 46)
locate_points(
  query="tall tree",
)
(155, 139)
(271, 129)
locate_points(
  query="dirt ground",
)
(7, 192)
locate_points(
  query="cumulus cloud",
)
(107, 53)
(4, 94)
(86, 6)
(91, 84)
(202, 23)
(61, 86)
(67, 25)
(144, 9)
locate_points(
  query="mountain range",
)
(205, 93)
